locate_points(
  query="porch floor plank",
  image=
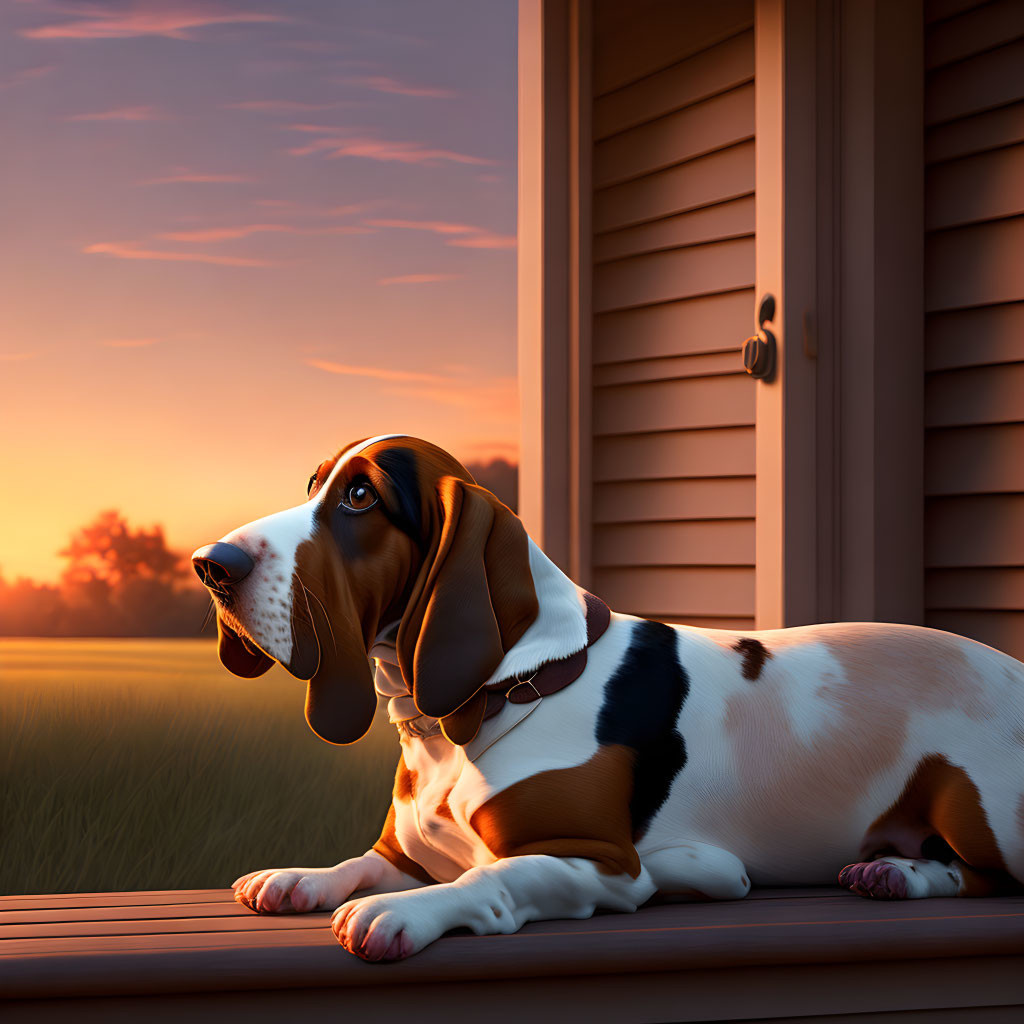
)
(131, 945)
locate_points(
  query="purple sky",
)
(239, 234)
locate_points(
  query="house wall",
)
(672, 412)
(974, 320)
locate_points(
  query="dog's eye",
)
(309, 485)
(359, 497)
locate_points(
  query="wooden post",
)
(554, 278)
(839, 241)
(785, 127)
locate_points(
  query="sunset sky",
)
(237, 235)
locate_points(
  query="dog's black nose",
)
(221, 565)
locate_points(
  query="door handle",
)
(759, 350)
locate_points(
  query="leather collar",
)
(463, 724)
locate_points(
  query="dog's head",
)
(394, 529)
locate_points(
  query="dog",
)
(558, 757)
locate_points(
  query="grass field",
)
(143, 764)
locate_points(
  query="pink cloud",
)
(485, 240)
(131, 251)
(278, 106)
(419, 278)
(26, 75)
(378, 373)
(482, 397)
(130, 342)
(494, 449)
(469, 235)
(172, 21)
(16, 357)
(122, 114)
(244, 230)
(291, 207)
(379, 149)
(382, 83)
(438, 227)
(198, 178)
(314, 129)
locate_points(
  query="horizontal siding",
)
(975, 266)
(974, 31)
(993, 589)
(731, 219)
(640, 38)
(974, 324)
(989, 80)
(706, 74)
(975, 531)
(722, 401)
(655, 277)
(999, 629)
(994, 129)
(986, 186)
(711, 323)
(975, 460)
(938, 10)
(676, 454)
(723, 542)
(672, 410)
(975, 337)
(656, 592)
(659, 500)
(721, 121)
(703, 181)
(980, 394)
(708, 364)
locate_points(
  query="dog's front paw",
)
(390, 926)
(292, 890)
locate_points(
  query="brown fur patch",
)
(391, 850)
(444, 810)
(755, 654)
(570, 812)
(405, 781)
(938, 799)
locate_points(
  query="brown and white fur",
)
(683, 760)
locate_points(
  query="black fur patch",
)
(642, 701)
(755, 654)
(399, 465)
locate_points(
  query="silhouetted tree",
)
(119, 581)
(108, 549)
(499, 476)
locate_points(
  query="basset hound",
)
(558, 758)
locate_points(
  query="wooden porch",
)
(812, 954)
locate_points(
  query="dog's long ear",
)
(474, 599)
(340, 698)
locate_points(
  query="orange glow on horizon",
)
(201, 302)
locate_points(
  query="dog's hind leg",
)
(900, 878)
(937, 839)
(699, 870)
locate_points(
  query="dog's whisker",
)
(327, 618)
(323, 608)
(210, 612)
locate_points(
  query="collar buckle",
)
(525, 698)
